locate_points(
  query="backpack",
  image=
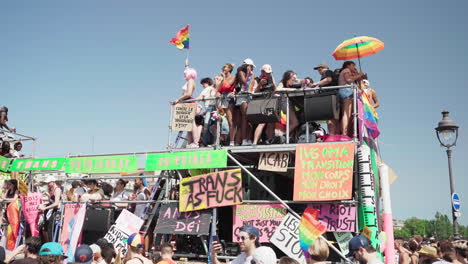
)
(336, 76)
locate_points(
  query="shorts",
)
(224, 126)
(225, 101)
(345, 93)
(241, 98)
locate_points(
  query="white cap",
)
(95, 248)
(267, 68)
(249, 61)
(264, 255)
(49, 178)
(366, 82)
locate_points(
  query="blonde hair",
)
(319, 250)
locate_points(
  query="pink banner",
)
(75, 234)
(69, 213)
(337, 217)
(265, 217)
(30, 205)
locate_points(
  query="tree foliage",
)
(440, 227)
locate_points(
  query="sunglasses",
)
(243, 238)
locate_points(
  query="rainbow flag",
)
(368, 116)
(181, 39)
(310, 228)
(13, 215)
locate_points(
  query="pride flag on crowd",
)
(13, 215)
(368, 117)
(181, 39)
(310, 229)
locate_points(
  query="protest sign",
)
(69, 213)
(4, 163)
(105, 164)
(186, 160)
(125, 225)
(76, 226)
(183, 116)
(343, 239)
(286, 238)
(273, 161)
(37, 164)
(324, 172)
(210, 190)
(30, 205)
(265, 217)
(337, 217)
(171, 221)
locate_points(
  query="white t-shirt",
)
(121, 196)
(375, 261)
(242, 259)
(208, 92)
(140, 207)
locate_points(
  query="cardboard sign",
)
(37, 164)
(69, 213)
(273, 161)
(4, 163)
(183, 116)
(337, 217)
(30, 205)
(324, 172)
(117, 237)
(129, 222)
(265, 217)
(343, 239)
(210, 190)
(367, 232)
(186, 160)
(102, 164)
(286, 238)
(171, 221)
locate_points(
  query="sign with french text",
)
(337, 217)
(30, 204)
(273, 161)
(37, 164)
(171, 221)
(324, 172)
(186, 160)
(106, 164)
(286, 238)
(265, 217)
(210, 190)
(118, 238)
(183, 116)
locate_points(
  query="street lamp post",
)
(447, 134)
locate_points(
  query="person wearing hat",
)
(361, 250)
(264, 255)
(51, 253)
(135, 246)
(428, 254)
(55, 195)
(266, 84)
(372, 95)
(83, 255)
(249, 236)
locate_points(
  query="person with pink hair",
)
(190, 75)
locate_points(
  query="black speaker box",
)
(263, 110)
(98, 220)
(322, 106)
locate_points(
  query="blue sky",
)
(74, 70)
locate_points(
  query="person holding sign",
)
(249, 242)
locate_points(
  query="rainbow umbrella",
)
(358, 47)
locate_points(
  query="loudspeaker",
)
(263, 110)
(98, 220)
(322, 106)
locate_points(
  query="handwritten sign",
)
(37, 164)
(273, 161)
(184, 114)
(286, 238)
(265, 217)
(324, 172)
(171, 221)
(343, 239)
(337, 217)
(186, 160)
(4, 163)
(210, 190)
(30, 205)
(129, 222)
(125, 225)
(117, 237)
(102, 164)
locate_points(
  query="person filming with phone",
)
(249, 241)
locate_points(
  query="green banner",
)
(105, 164)
(4, 163)
(37, 164)
(186, 160)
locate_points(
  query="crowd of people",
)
(234, 91)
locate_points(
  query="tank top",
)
(249, 84)
(225, 87)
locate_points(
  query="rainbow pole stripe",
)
(181, 39)
(310, 228)
(358, 47)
